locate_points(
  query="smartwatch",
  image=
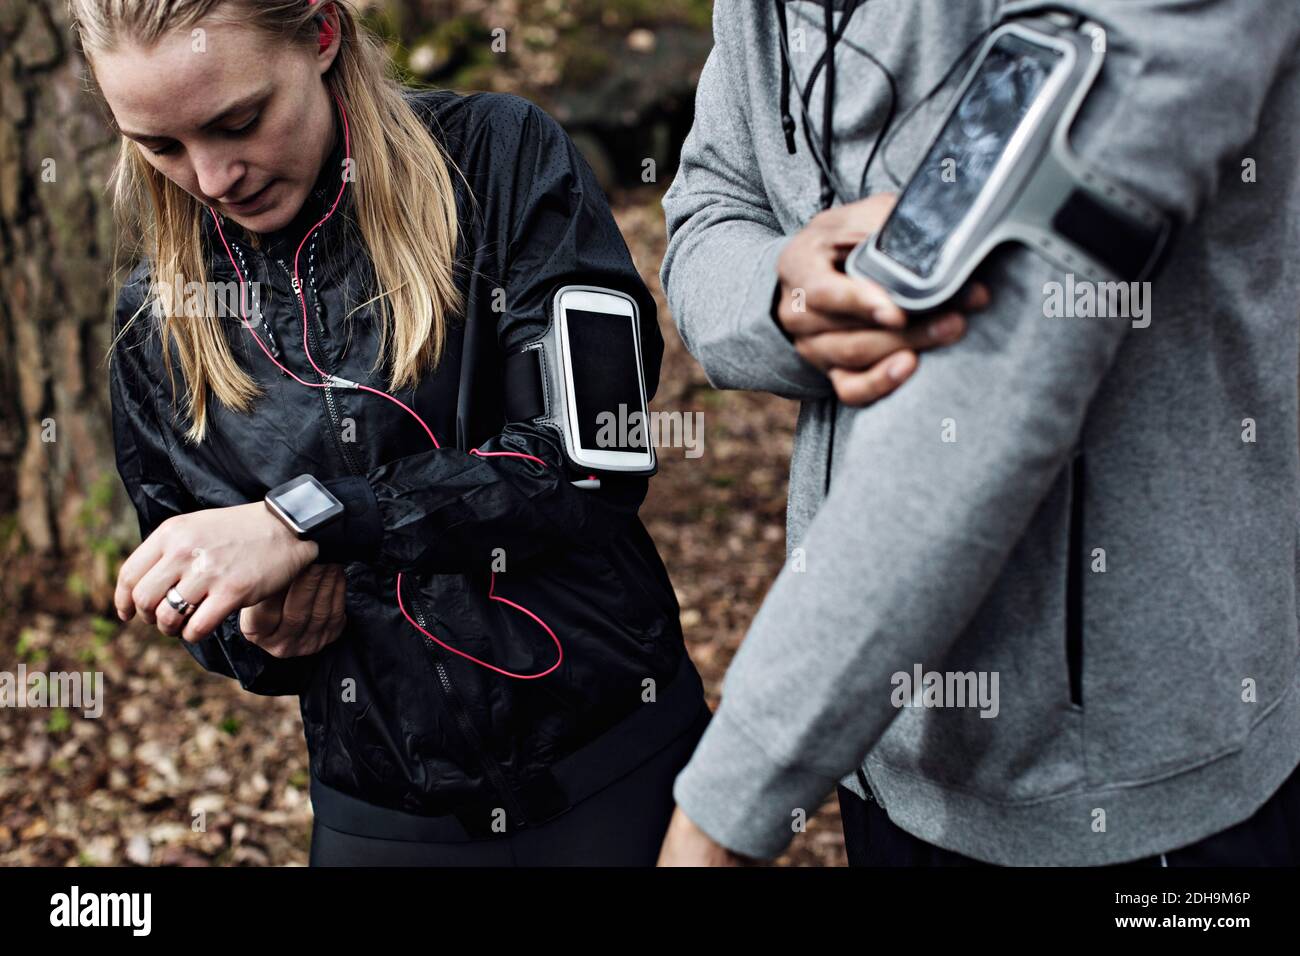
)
(304, 504)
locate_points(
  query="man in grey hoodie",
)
(1089, 525)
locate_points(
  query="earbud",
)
(326, 33)
(326, 30)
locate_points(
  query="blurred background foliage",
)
(619, 74)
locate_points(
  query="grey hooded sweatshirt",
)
(1090, 525)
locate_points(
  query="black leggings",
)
(621, 825)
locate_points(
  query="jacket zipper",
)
(1074, 585)
(327, 393)
(492, 768)
(457, 707)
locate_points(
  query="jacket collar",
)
(332, 238)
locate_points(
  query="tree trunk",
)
(62, 519)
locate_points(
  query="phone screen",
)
(606, 384)
(958, 165)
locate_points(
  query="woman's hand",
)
(221, 559)
(848, 327)
(309, 614)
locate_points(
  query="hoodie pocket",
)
(1074, 585)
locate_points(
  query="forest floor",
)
(127, 788)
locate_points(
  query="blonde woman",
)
(407, 242)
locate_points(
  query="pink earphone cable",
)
(297, 284)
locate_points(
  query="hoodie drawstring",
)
(787, 121)
(828, 99)
(827, 60)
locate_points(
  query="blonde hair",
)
(398, 165)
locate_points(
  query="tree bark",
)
(61, 505)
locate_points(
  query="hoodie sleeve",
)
(895, 566)
(446, 510)
(719, 270)
(145, 466)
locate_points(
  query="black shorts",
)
(622, 824)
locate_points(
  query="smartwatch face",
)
(958, 166)
(306, 502)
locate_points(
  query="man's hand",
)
(685, 844)
(220, 559)
(303, 618)
(848, 327)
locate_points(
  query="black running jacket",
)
(392, 721)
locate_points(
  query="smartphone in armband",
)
(999, 168)
(584, 379)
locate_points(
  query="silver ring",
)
(178, 603)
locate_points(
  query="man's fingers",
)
(976, 296)
(862, 215)
(812, 280)
(841, 243)
(941, 330)
(862, 348)
(872, 211)
(863, 388)
(833, 300)
(830, 290)
(815, 323)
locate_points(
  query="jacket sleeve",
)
(915, 531)
(719, 270)
(157, 492)
(446, 510)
